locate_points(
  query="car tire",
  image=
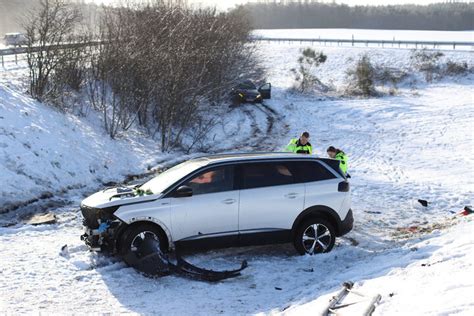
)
(313, 236)
(133, 235)
(236, 101)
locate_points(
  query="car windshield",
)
(247, 85)
(162, 181)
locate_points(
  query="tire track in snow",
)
(261, 138)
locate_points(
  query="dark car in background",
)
(247, 92)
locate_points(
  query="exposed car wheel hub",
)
(139, 238)
(316, 238)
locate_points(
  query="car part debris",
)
(64, 251)
(42, 219)
(423, 202)
(153, 262)
(336, 302)
(467, 210)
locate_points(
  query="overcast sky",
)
(225, 4)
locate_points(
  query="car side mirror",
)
(183, 191)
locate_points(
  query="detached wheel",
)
(314, 236)
(133, 237)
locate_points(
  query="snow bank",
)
(43, 150)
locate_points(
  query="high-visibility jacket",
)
(342, 157)
(296, 147)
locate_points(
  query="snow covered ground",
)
(418, 144)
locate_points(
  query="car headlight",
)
(92, 215)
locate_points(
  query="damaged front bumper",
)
(100, 228)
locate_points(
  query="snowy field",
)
(368, 34)
(418, 144)
(375, 35)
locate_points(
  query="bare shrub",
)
(52, 25)
(361, 78)
(427, 62)
(305, 78)
(162, 66)
(389, 76)
(453, 68)
(155, 64)
(108, 77)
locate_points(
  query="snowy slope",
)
(418, 144)
(281, 57)
(44, 150)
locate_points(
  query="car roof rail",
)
(254, 153)
(247, 153)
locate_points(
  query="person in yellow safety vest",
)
(339, 155)
(300, 145)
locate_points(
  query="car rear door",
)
(321, 185)
(210, 216)
(270, 199)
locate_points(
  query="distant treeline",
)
(13, 12)
(440, 16)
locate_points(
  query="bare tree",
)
(163, 66)
(46, 29)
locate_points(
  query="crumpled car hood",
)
(116, 196)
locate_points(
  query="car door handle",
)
(291, 195)
(229, 201)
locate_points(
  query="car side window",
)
(257, 175)
(214, 180)
(310, 171)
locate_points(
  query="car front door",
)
(265, 91)
(210, 216)
(270, 200)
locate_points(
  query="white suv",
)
(224, 201)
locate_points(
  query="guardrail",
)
(435, 44)
(366, 42)
(15, 51)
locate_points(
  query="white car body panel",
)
(325, 193)
(270, 207)
(205, 214)
(346, 206)
(157, 212)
